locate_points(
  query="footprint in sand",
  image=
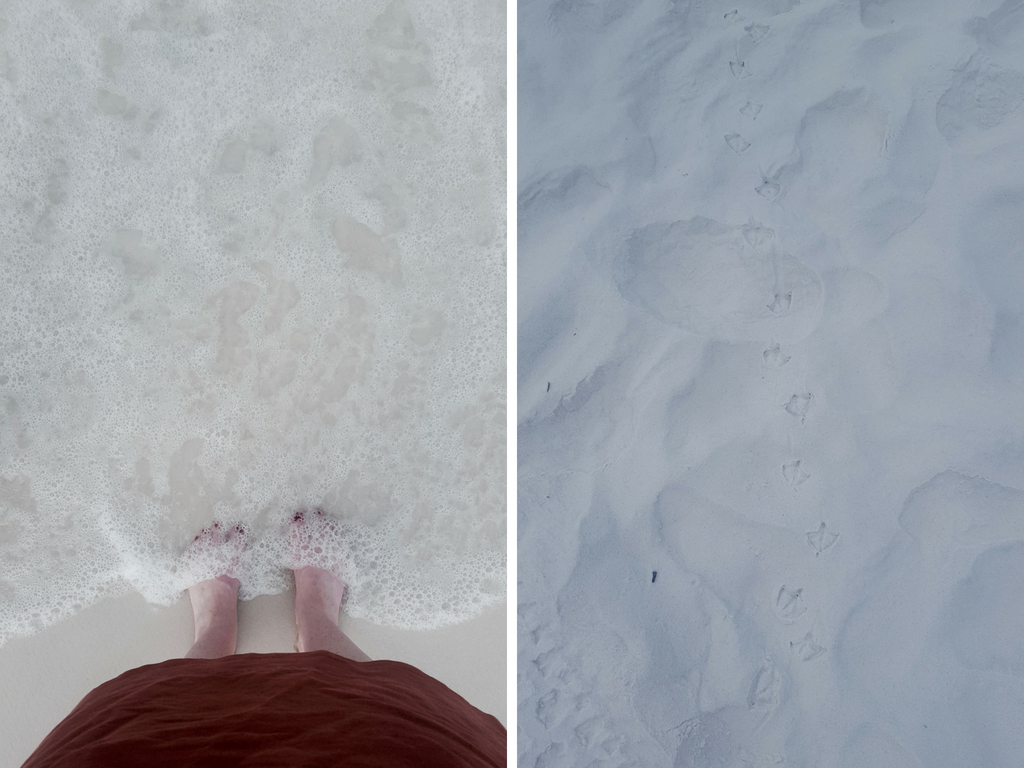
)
(725, 737)
(540, 631)
(769, 190)
(547, 708)
(757, 32)
(588, 731)
(789, 604)
(822, 539)
(751, 109)
(757, 235)
(793, 474)
(218, 550)
(769, 187)
(739, 70)
(736, 143)
(774, 358)
(715, 279)
(546, 662)
(782, 303)
(806, 649)
(764, 690)
(553, 756)
(597, 735)
(798, 406)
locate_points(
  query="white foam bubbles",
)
(183, 339)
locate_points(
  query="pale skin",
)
(318, 595)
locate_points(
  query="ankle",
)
(214, 642)
(313, 616)
(214, 605)
(318, 593)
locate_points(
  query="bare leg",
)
(215, 608)
(215, 601)
(318, 596)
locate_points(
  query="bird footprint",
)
(806, 649)
(751, 110)
(822, 539)
(793, 474)
(757, 31)
(798, 406)
(769, 190)
(782, 303)
(789, 605)
(739, 70)
(764, 691)
(774, 358)
(736, 143)
(757, 235)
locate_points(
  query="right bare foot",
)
(214, 600)
(318, 591)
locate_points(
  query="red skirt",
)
(286, 710)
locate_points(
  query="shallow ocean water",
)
(253, 261)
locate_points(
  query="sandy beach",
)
(771, 365)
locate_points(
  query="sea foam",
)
(253, 262)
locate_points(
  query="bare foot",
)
(318, 591)
(215, 600)
(314, 538)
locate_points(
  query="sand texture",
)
(771, 384)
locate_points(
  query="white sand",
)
(771, 311)
(46, 675)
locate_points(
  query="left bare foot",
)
(215, 601)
